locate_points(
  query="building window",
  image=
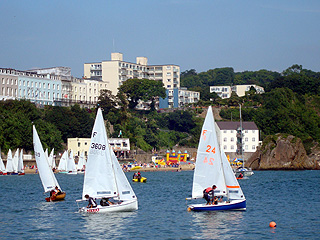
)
(48, 85)
(232, 147)
(78, 144)
(253, 139)
(246, 147)
(85, 143)
(246, 139)
(225, 147)
(246, 131)
(224, 131)
(231, 131)
(225, 139)
(168, 86)
(253, 131)
(253, 147)
(232, 139)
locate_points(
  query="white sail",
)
(47, 177)
(233, 187)
(9, 166)
(63, 161)
(2, 167)
(81, 162)
(208, 170)
(15, 161)
(125, 190)
(46, 154)
(71, 166)
(99, 180)
(52, 162)
(20, 163)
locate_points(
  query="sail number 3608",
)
(98, 146)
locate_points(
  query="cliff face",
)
(282, 153)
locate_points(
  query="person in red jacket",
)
(208, 194)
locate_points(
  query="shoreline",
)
(183, 167)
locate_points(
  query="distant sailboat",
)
(9, 166)
(71, 166)
(49, 181)
(104, 177)
(20, 164)
(213, 168)
(15, 162)
(62, 167)
(2, 167)
(81, 163)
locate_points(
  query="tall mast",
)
(241, 136)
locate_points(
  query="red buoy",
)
(272, 224)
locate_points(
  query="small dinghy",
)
(104, 177)
(49, 181)
(213, 168)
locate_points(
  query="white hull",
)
(125, 206)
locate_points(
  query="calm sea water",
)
(291, 199)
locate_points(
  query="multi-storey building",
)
(116, 71)
(229, 136)
(42, 89)
(221, 91)
(178, 97)
(240, 90)
(8, 83)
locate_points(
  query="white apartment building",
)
(221, 91)
(229, 136)
(240, 90)
(116, 71)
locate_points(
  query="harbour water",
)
(290, 198)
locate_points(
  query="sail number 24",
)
(209, 150)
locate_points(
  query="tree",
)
(142, 89)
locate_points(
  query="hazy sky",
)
(199, 34)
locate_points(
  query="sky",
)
(247, 35)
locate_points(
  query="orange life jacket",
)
(208, 189)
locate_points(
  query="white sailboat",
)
(2, 167)
(62, 167)
(71, 166)
(81, 163)
(20, 164)
(9, 166)
(49, 181)
(15, 162)
(213, 168)
(104, 177)
(52, 162)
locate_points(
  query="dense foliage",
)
(290, 105)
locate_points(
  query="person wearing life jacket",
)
(139, 176)
(208, 194)
(92, 203)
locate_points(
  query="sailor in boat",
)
(92, 203)
(139, 176)
(106, 202)
(57, 191)
(208, 195)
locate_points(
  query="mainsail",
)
(47, 177)
(99, 180)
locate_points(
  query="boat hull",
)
(55, 198)
(142, 179)
(233, 205)
(126, 206)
